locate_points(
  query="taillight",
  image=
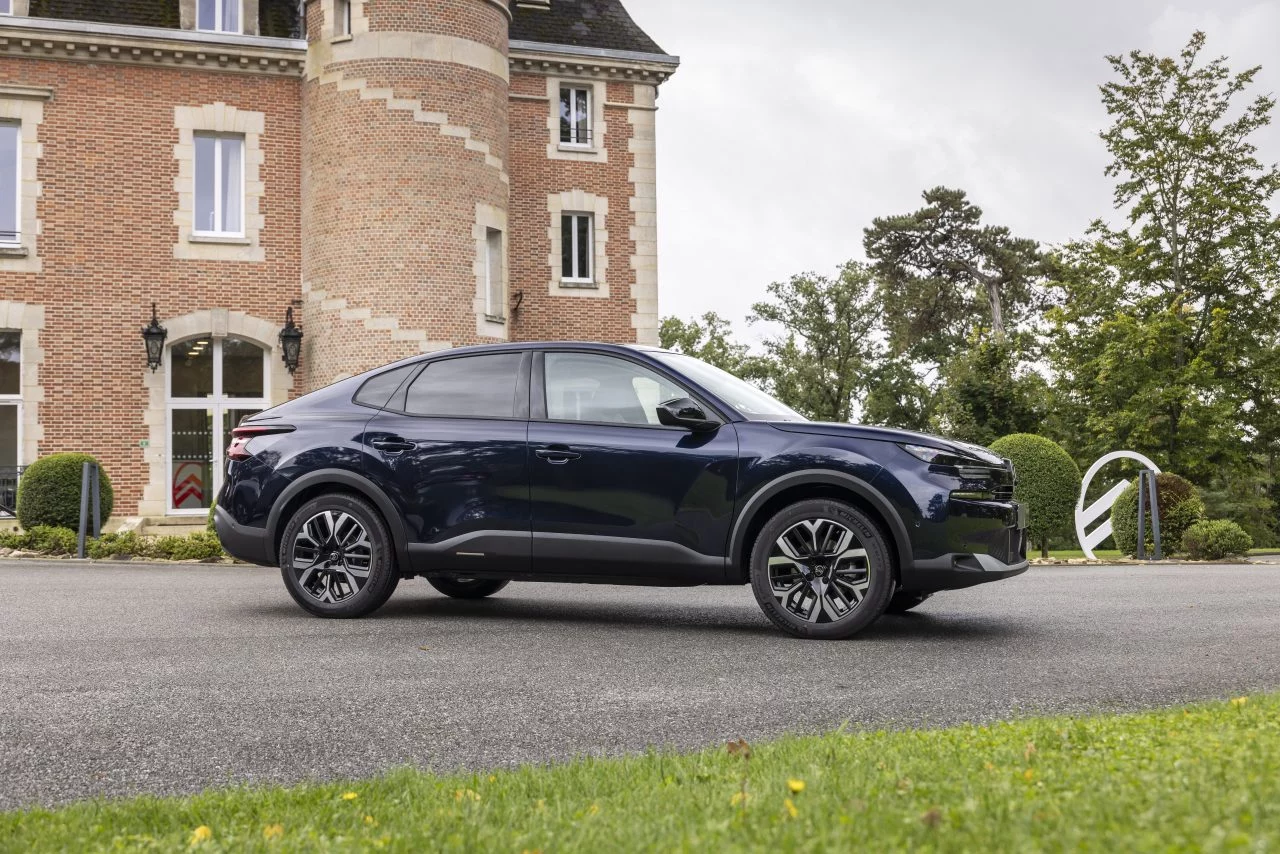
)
(240, 437)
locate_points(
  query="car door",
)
(614, 493)
(451, 449)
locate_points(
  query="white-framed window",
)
(341, 18)
(219, 184)
(6, 7)
(575, 116)
(495, 291)
(219, 16)
(211, 384)
(10, 400)
(10, 182)
(577, 247)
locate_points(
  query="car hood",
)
(886, 434)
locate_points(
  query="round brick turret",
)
(404, 174)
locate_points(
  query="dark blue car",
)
(613, 465)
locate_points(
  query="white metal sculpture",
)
(1088, 540)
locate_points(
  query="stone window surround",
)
(248, 16)
(24, 105)
(29, 320)
(598, 151)
(579, 202)
(218, 323)
(489, 217)
(222, 119)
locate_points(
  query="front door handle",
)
(393, 445)
(558, 455)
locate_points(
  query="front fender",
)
(760, 498)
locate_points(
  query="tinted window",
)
(585, 387)
(471, 387)
(378, 391)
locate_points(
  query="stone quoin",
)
(407, 175)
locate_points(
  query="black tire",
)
(469, 588)
(871, 573)
(323, 585)
(901, 603)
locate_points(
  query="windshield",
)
(754, 404)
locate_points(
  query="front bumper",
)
(242, 542)
(988, 542)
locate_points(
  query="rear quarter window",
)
(387, 390)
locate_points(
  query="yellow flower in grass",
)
(370, 820)
(739, 799)
(273, 831)
(1239, 701)
(796, 786)
(350, 796)
(201, 835)
(466, 794)
(791, 808)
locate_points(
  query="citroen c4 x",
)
(607, 464)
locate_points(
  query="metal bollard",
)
(90, 489)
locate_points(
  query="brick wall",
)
(107, 208)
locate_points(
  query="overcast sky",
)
(790, 126)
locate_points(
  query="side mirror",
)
(685, 413)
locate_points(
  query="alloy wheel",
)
(332, 556)
(819, 571)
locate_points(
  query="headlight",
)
(938, 457)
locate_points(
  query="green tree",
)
(985, 395)
(819, 362)
(1166, 323)
(709, 338)
(1048, 483)
(946, 273)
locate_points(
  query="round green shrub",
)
(49, 492)
(1048, 483)
(1215, 540)
(1180, 508)
(208, 525)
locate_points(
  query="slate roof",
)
(582, 23)
(602, 24)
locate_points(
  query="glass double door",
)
(213, 384)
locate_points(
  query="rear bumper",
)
(242, 542)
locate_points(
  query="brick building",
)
(407, 175)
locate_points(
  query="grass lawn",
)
(1111, 554)
(1202, 778)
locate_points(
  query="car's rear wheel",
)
(901, 603)
(467, 588)
(822, 569)
(336, 557)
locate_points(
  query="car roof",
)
(547, 345)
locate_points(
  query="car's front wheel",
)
(336, 557)
(822, 569)
(467, 588)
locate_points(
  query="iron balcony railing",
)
(9, 489)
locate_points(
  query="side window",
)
(380, 391)
(587, 387)
(470, 387)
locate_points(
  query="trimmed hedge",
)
(49, 492)
(1216, 539)
(1048, 483)
(200, 545)
(1180, 508)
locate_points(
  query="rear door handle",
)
(558, 456)
(393, 445)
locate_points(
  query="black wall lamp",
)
(154, 337)
(290, 342)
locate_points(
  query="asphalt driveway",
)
(117, 679)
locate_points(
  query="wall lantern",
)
(154, 336)
(290, 342)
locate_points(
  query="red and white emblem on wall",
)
(188, 486)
